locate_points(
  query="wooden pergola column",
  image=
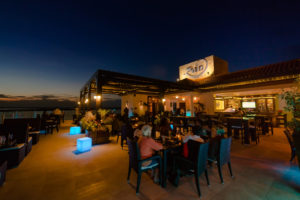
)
(99, 82)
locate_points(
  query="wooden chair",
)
(281, 120)
(136, 163)
(255, 129)
(196, 162)
(238, 125)
(268, 124)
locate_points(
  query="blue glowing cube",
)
(188, 113)
(84, 144)
(75, 130)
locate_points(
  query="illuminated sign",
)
(197, 69)
(203, 68)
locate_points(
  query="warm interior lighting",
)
(195, 98)
(177, 97)
(78, 102)
(163, 100)
(97, 97)
(86, 100)
(183, 99)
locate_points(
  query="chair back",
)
(236, 122)
(198, 153)
(224, 152)
(214, 147)
(19, 129)
(134, 154)
(289, 137)
(202, 157)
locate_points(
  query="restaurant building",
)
(205, 85)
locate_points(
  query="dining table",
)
(246, 123)
(171, 146)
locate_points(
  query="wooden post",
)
(99, 98)
(89, 97)
(192, 105)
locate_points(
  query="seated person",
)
(147, 147)
(138, 132)
(191, 136)
(164, 127)
(240, 112)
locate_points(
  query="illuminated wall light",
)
(163, 100)
(195, 98)
(75, 130)
(177, 97)
(86, 101)
(183, 99)
(84, 144)
(78, 102)
(141, 103)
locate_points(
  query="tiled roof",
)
(262, 72)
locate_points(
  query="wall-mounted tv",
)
(248, 104)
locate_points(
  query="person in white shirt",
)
(191, 136)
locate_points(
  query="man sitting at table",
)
(165, 127)
(147, 147)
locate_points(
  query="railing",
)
(13, 113)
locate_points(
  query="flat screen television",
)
(248, 104)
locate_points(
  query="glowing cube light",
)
(84, 144)
(188, 113)
(75, 130)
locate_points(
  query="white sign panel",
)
(198, 69)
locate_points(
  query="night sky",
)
(51, 49)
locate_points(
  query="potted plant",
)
(103, 113)
(96, 131)
(292, 100)
(88, 122)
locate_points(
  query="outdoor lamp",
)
(97, 97)
(84, 144)
(75, 130)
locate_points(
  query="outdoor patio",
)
(54, 171)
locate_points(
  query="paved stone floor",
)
(53, 171)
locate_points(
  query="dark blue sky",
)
(53, 48)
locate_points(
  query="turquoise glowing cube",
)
(84, 144)
(75, 130)
(188, 113)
